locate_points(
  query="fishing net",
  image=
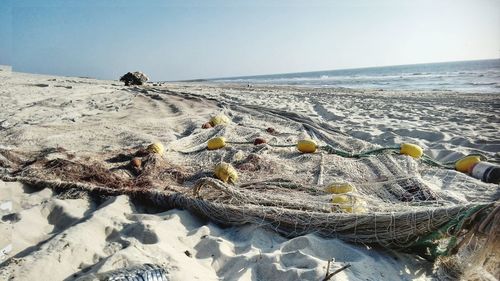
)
(406, 203)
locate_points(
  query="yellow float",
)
(216, 143)
(307, 146)
(220, 119)
(412, 150)
(340, 187)
(226, 173)
(156, 148)
(348, 203)
(354, 209)
(342, 199)
(465, 164)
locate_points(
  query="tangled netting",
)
(406, 202)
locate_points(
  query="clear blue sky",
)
(172, 40)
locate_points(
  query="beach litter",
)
(376, 195)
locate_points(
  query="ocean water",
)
(481, 76)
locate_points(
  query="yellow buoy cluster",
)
(156, 148)
(216, 143)
(344, 197)
(307, 146)
(412, 150)
(226, 172)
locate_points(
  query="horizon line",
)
(313, 71)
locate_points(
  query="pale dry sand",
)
(52, 238)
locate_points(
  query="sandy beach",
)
(48, 236)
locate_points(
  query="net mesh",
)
(403, 199)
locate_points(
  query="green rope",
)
(282, 145)
(365, 153)
(239, 142)
(456, 223)
(378, 151)
(330, 149)
(425, 158)
(251, 142)
(429, 161)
